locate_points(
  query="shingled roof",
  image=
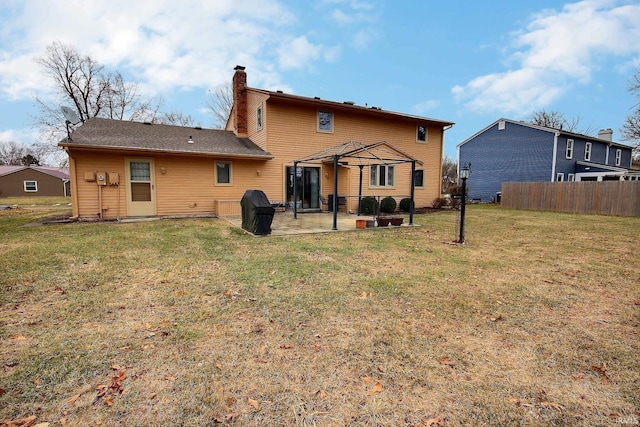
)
(121, 135)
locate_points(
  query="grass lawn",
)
(535, 321)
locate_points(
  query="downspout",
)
(335, 191)
(413, 189)
(295, 190)
(555, 156)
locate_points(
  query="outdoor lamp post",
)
(464, 174)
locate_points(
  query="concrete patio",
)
(284, 224)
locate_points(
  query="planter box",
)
(361, 223)
(397, 221)
(383, 222)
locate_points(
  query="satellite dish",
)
(70, 115)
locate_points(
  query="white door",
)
(141, 199)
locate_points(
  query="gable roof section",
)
(279, 96)
(545, 129)
(106, 134)
(379, 152)
(61, 173)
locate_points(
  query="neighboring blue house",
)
(513, 151)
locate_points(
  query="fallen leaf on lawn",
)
(230, 401)
(317, 347)
(63, 422)
(603, 372)
(219, 366)
(368, 380)
(578, 376)
(153, 395)
(73, 399)
(2, 391)
(108, 400)
(377, 388)
(21, 422)
(495, 319)
(253, 403)
(37, 381)
(514, 401)
(45, 424)
(447, 362)
(551, 405)
(637, 302)
(231, 417)
(285, 346)
(321, 394)
(18, 337)
(363, 295)
(220, 390)
(169, 377)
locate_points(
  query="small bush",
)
(368, 205)
(439, 202)
(388, 205)
(405, 204)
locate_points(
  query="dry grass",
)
(535, 321)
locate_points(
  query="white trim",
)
(587, 151)
(215, 172)
(35, 184)
(568, 153)
(571, 177)
(555, 155)
(426, 134)
(327, 111)
(618, 156)
(559, 177)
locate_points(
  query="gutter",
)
(555, 156)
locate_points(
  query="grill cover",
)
(257, 212)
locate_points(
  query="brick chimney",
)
(606, 134)
(240, 101)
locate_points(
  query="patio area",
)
(284, 224)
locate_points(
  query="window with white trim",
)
(559, 177)
(571, 177)
(501, 125)
(419, 178)
(569, 151)
(31, 186)
(587, 152)
(421, 133)
(259, 117)
(223, 173)
(381, 175)
(325, 121)
(618, 156)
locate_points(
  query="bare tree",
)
(221, 102)
(557, 120)
(449, 173)
(13, 153)
(631, 127)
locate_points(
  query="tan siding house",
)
(122, 169)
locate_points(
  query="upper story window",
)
(501, 125)
(325, 121)
(587, 151)
(421, 133)
(31, 186)
(381, 176)
(259, 117)
(223, 173)
(569, 151)
(618, 156)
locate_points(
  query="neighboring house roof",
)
(120, 135)
(546, 129)
(62, 173)
(347, 106)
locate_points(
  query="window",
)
(223, 173)
(559, 177)
(571, 177)
(587, 151)
(569, 152)
(325, 121)
(501, 125)
(381, 176)
(421, 133)
(259, 117)
(419, 178)
(618, 156)
(31, 186)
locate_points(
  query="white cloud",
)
(553, 51)
(425, 106)
(297, 52)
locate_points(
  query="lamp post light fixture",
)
(464, 174)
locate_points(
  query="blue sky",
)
(467, 62)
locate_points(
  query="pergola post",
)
(335, 191)
(295, 190)
(413, 190)
(360, 189)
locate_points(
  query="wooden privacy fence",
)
(587, 197)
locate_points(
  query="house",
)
(123, 169)
(515, 151)
(18, 181)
